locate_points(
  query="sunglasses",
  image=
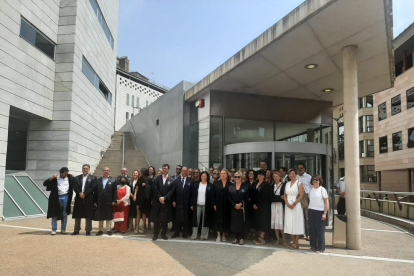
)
(316, 179)
(215, 173)
(237, 177)
(178, 169)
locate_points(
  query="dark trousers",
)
(173, 226)
(316, 230)
(181, 226)
(88, 224)
(341, 207)
(157, 226)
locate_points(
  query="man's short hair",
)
(87, 165)
(285, 169)
(263, 162)
(179, 166)
(166, 165)
(301, 164)
(63, 170)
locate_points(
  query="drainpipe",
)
(123, 150)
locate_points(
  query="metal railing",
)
(397, 196)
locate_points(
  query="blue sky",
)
(187, 39)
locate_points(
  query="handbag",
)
(305, 199)
(118, 216)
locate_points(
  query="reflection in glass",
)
(247, 160)
(396, 105)
(368, 174)
(410, 98)
(291, 132)
(382, 111)
(383, 144)
(216, 141)
(242, 131)
(397, 141)
(194, 145)
(36, 38)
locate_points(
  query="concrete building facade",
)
(57, 84)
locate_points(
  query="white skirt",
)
(294, 224)
(277, 215)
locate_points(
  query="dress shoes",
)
(164, 237)
(155, 238)
(88, 233)
(176, 235)
(75, 233)
(109, 233)
(100, 233)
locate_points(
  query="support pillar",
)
(352, 178)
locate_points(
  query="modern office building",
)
(394, 121)
(57, 87)
(133, 92)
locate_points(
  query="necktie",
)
(182, 181)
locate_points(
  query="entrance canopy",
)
(312, 35)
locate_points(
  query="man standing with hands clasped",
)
(83, 207)
(161, 209)
(305, 179)
(61, 189)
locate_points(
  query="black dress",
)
(239, 218)
(249, 206)
(220, 200)
(142, 197)
(261, 199)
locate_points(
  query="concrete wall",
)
(129, 87)
(401, 159)
(83, 120)
(163, 143)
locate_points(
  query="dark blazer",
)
(182, 198)
(162, 213)
(209, 207)
(103, 198)
(220, 200)
(54, 209)
(83, 207)
(277, 198)
(239, 218)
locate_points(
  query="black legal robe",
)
(54, 209)
(209, 207)
(222, 214)
(239, 222)
(103, 198)
(261, 199)
(83, 207)
(182, 199)
(162, 213)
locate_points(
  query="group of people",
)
(244, 204)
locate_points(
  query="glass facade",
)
(368, 174)
(216, 141)
(243, 131)
(248, 160)
(396, 105)
(397, 141)
(313, 162)
(194, 145)
(291, 132)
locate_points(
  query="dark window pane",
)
(45, 45)
(397, 141)
(88, 71)
(28, 32)
(382, 111)
(94, 6)
(341, 141)
(216, 142)
(396, 105)
(410, 98)
(383, 144)
(369, 123)
(410, 143)
(370, 101)
(105, 92)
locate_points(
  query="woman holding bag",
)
(122, 204)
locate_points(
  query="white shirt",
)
(84, 182)
(125, 199)
(341, 184)
(305, 179)
(201, 199)
(316, 199)
(63, 185)
(164, 179)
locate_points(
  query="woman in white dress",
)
(293, 212)
(278, 206)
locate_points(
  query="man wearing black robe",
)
(181, 203)
(161, 210)
(83, 207)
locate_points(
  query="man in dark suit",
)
(161, 210)
(60, 187)
(83, 207)
(104, 196)
(181, 203)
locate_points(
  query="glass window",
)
(247, 160)
(102, 21)
(216, 141)
(382, 111)
(194, 130)
(37, 38)
(127, 100)
(292, 132)
(410, 98)
(137, 102)
(133, 101)
(147, 103)
(127, 116)
(366, 123)
(105, 92)
(366, 148)
(397, 141)
(396, 105)
(341, 141)
(383, 144)
(367, 101)
(327, 138)
(410, 143)
(94, 79)
(368, 174)
(242, 131)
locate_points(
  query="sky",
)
(175, 40)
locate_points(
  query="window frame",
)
(398, 133)
(410, 143)
(97, 82)
(380, 106)
(392, 105)
(379, 144)
(102, 22)
(410, 92)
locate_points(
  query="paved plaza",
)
(26, 247)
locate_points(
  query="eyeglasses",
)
(237, 177)
(316, 179)
(178, 169)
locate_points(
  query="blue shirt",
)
(104, 181)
